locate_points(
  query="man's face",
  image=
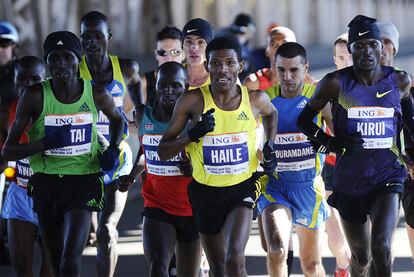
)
(195, 49)
(6, 51)
(273, 43)
(342, 58)
(63, 64)
(169, 87)
(169, 50)
(366, 54)
(387, 52)
(94, 38)
(27, 76)
(224, 67)
(291, 73)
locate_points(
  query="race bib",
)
(24, 172)
(376, 125)
(80, 133)
(102, 125)
(226, 154)
(153, 162)
(294, 152)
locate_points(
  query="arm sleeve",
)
(306, 125)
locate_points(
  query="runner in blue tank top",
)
(370, 103)
(293, 197)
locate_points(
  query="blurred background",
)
(135, 22)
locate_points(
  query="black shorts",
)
(408, 202)
(184, 225)
(355, 208)
(327, 176)
(211, 205)
(55, 195)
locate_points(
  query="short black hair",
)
(28, 62)
(172, 66)
(169, 32)
(94, 16)
(290, 50)
(225, 42)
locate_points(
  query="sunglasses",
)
(172, 53)
(4, 43)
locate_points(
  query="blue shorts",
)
(306, 201)
(18, 205)
(123, 165)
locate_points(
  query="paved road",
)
(132, 261)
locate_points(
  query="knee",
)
(359, 253)
(70, 266)
(381, 250)
(158, 267)
(217, 268)
(310, 266)
(235, 263)
(276, 255)
(106, 234)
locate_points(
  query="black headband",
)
(62, 40)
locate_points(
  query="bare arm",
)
(104, 102)
(262, 106)
(404, 85)
(251, 82)
(173, 141)
(27, 107)
(144, 89)
(4, 124)
(327, 116)
(130, 70)
(4, 128)
(327, 89)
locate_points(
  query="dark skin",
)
(22, 235)
(95, 36)
(227, 97)
(366, 70)
(224, 251)
(67, 88)
(163, 109)
(25, 75)
(159, 246)
(69, 237)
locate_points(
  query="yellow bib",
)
(226, 156)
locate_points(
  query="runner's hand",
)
(204, 125)
(185, 166)
(318, 148)
(125, 181)
(350, 143)
(109, 158)
(269, 163)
